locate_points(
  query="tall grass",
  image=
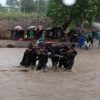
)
(18, 15)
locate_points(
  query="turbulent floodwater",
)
(83, 83)
(10, 57)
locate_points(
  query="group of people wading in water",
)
(62, 57)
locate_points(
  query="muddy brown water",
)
(83, 83)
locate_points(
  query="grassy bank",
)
(18, 15)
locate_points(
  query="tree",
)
(1, 8)
(40, 6)
(27, 6)
(84, 11)
(56, 11)
(12, 3)
(98, 12)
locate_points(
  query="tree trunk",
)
(66, 24)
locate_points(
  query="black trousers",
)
(69, 63)
(28, 59)
(41, 65)
(61, 62)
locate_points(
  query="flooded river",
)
(10, 57)
(83, 83)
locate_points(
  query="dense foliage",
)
(27, 6)
(83, 12)
(12, 3)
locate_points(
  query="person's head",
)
(30, 46)
(42, 49)
(72, 46)
(44, 31)
(37, 28)
(25, 32)
(61, 49)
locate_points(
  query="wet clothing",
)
(63, 54)
(57, 55)
(29, 58)
(33, 57)
(81, 40)
(90, 36)
(26, 58)
(70, 56)
(88, 41)
(43, 59)
(62, 59)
